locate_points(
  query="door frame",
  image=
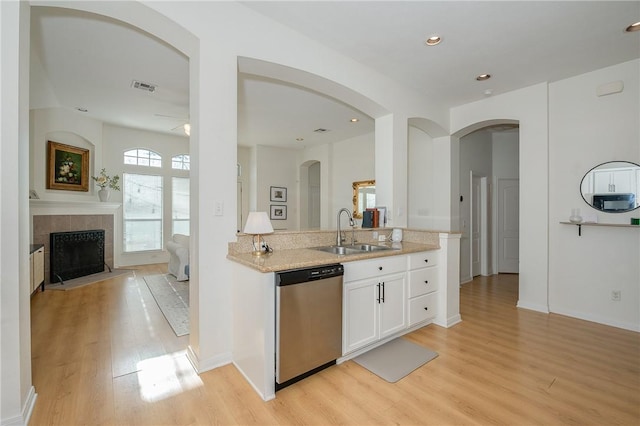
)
(484, 223)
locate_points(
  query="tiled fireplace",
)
(87, 216)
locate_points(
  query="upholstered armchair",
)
(178, 250)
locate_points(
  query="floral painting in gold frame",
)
(68, 167)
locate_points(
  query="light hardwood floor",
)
(104, 354)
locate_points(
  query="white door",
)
(508, 225)
(476, 215)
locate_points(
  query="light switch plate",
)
(219, 208)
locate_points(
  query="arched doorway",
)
(489, 199)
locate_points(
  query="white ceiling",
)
(88, 61)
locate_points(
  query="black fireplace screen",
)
(76, 254)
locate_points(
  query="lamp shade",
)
(258, 223)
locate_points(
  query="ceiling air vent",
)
(321, 130)
(148, 87)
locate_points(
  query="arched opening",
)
(489, 198)
(142, 19)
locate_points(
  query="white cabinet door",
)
(393, 315)
(614, 180)
(624, 181)
(360, 314)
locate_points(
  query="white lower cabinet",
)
(386, 296)
(423, 286)
(374, 301)
(36, 264)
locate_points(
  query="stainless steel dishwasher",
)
(308, 322)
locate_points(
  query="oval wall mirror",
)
(612, 187)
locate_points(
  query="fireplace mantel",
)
(48, 207)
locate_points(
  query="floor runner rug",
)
(172, 298)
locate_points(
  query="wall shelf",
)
(616, 225)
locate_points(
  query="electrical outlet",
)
(616, 295)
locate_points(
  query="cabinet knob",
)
(426, 281)
(426, 261)
(380, 268)
(426, 308)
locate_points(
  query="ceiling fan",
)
(185, 126)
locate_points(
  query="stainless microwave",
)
(618, 202)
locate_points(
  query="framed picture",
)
(279, 194)
(68, 167)
(278, 212)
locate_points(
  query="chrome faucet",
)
(351, 223)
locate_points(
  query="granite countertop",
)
(34, 247)
(282, 260)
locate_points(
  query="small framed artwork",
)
(68, 167)
(279, 194)
(278, 212)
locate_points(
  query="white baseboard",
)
(205, 365)
(533, 307)
(598, 319)
(270, 393)
(27, 409)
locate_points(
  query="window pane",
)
(143, 157)
(142, 211)
(180, 205)
(180, 162)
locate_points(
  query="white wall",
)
(421, 180)
(244, 160)
(16, 391)
(352, 160)
(586, 130)
(71, 128)
(506, 151)
(278, 167)
(341, 163)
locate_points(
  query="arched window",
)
(180, 162)
(143, 157)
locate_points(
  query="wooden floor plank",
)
(104, 354)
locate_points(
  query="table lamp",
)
(258, 223)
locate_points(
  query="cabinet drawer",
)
(423, 281)
(422, 308)
(422, 259)
(362, 269)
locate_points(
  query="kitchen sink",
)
(370, 247)
(352, 249)
(339, 249)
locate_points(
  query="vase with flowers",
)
(106, 183)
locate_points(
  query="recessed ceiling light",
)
(433, 40)
(633, 27)
(354, 120)
(483, 77)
